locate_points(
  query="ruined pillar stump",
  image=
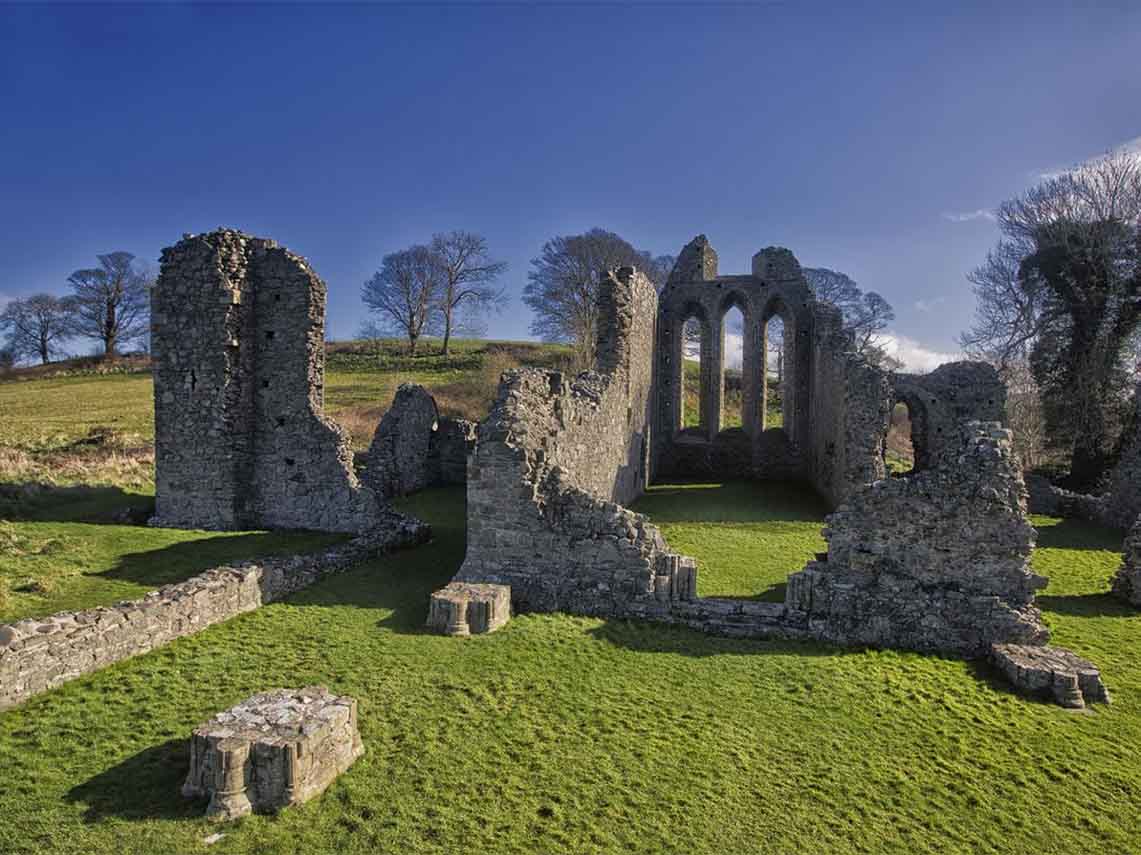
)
(1050, 672)
(466, 608)
(273, 750)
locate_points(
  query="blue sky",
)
(863, 137)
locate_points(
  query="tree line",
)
(109, 303)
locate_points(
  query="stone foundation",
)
(274, 750)
(465, 608)
(38, 654)
(1050, 672)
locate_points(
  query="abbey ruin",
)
(937, 560)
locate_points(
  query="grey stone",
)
(271, 751)
(463, 608)
(241, 441)
(1127, 580)
(1050, 672)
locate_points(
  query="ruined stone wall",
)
(38, 654)
(935, 561)
(240, 438)
(554, 463)
(1127, 581)
(1123, 496)
(849, 412)
(414, 448)
(942, 400)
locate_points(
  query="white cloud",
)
(968, 216)
(926, 306)
(1132, 146)
(913, 355)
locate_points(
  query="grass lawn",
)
(577, 735)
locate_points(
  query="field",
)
(556, 734)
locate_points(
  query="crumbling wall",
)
(1127, 581)
(849, 412)
(414, 448)
(936, 561)
(555, 462)
(942, 400)
(240, 438)
(1123, 496)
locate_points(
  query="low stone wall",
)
(39, 654)
(1053, 501)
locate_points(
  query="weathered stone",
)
(936, 561)
(273, 750)
(465, 608)
(1050, 672)
(1127, 581)
(241, 441)
(414, 448)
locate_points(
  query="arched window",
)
(732, 348)
(691, 373)
(899, 448)
(776, 376)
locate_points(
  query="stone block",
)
(1052, 672)
(273, 750)
(464, 608)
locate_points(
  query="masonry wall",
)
(935, 561)
(555, 461)
(39, 654)
(240, 437)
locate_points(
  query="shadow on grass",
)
(1078, 534)
(180, 561)
(652, 637)
(37, 502)
(144, 786)
(732, 501)
(1086, 605)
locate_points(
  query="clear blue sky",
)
(855, 135)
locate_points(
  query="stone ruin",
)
(271, 751)
(241, 442)
(934, 561)
(413, 448)
(937, 561)
(1127, 581)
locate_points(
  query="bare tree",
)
(7, 360)
(1063, 288)
(111, 302)
(36, 326)
(469, 276)
(562, 287)
(405, 293)
(866, 314)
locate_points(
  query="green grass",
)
(576, 735)
(74, 557)
(748, 537)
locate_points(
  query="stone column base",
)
(464, 608)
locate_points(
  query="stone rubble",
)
(271, 751)
(1051, 673)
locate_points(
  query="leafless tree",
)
(1063, 288)
(7, 360)
(562, 287)
(405, 293)
(111, 302)
(36, 326)
(469, 276)
(866, 314)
